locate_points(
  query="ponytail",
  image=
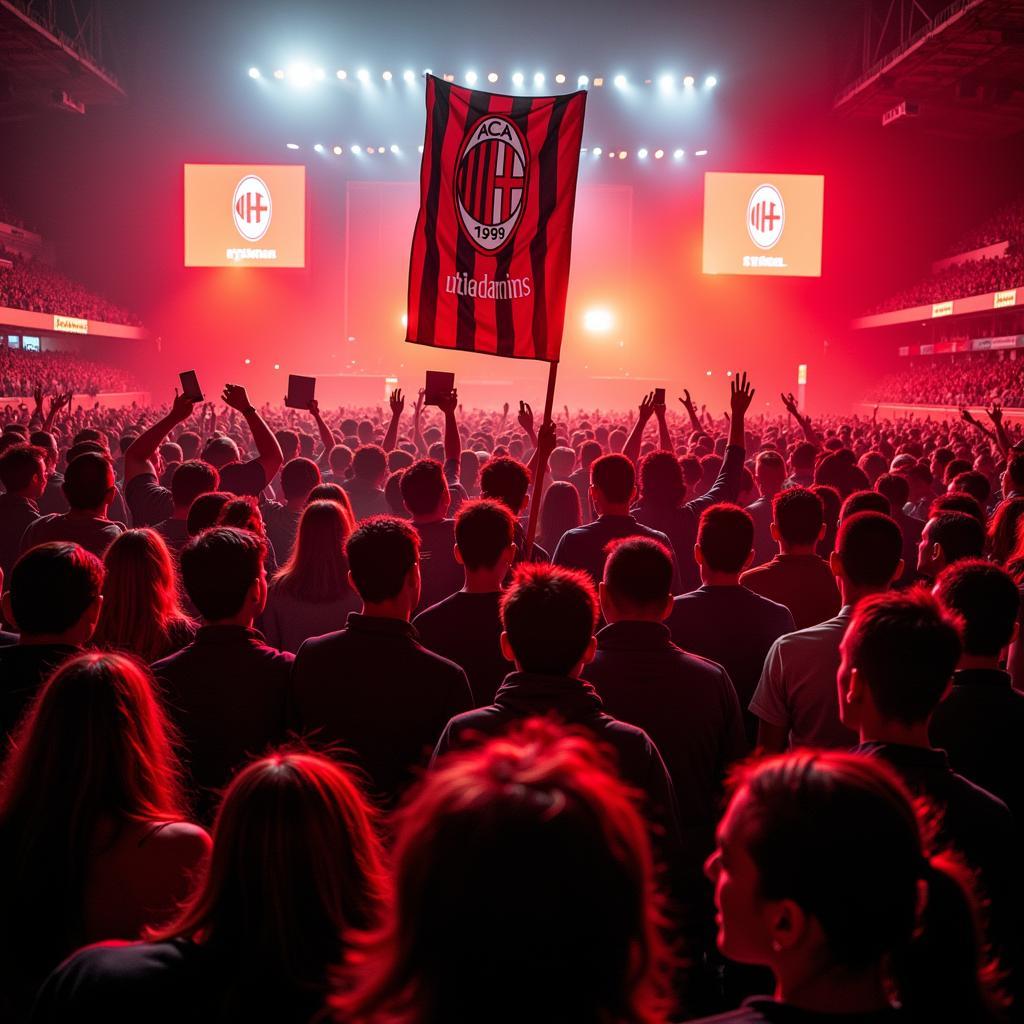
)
(942, 974)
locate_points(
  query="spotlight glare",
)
(279, 73)
(254, 72)
(300, 75)
(355, 149)
(709, 373)
(291, 145)
(679, 154)
(598, 321)
(405, 319)
(642, 153)
(394, 148)
(596, 151)
(560, 78)
(598, 82)
(701, 152)
(319, 147)
(363, 75)
(277, 366)
(517, 78)
(370, 150)
(622, 154)
(710, 82)
(492, 77)
(337, 151)
(582, 82)
(471, 78)
(620, 81)
(420, 147)
(248, 361)
(342, 74)
(688, 82)
(666, 82)
(387, 76)
(319, 74)
(658, 154)
(538, 78)
(409, 77)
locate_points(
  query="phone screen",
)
(190, 385)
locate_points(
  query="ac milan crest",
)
(491, 182)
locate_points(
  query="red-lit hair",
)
(524, 890)
(317, 569)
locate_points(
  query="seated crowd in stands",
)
(969, 378)
(300, 724)
(56, 373)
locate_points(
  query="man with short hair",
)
(795, 699)
(723, 620)
(947, 538)
(365, 489)
(52, 499)
(770, 474)
(23, 475)
(425, 494)
(226, 690)
(580, 478)
(372, 687)
(89, 487)
(797, 576)
(896, 490)
(687, 705)
(980, 723)
(53, 600)
(507, 480)
(190, 480)
(466, 627)
(298, 477)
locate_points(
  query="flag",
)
(490, 253)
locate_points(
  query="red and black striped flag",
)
(490, 254)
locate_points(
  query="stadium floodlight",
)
(363, 75)
(277, 366)
(622, 154)
(518, 78)
(620, 81)
(279, 73)
(405, 319)
(370, 150)
(409, 76)
(596, 151)
(598, 82)
(300, 75)
(291, 145)
(319, 74)
(710, 82)
(679, 154)
(666, 83)
(598, 321)
(248, 361)
(342, 74)
(688, 82)
(337, 150)
(538, 78)
(395, 149)
(254, 72)
(387, 76)
(658, 154)
(582, 82)
(701, 152)
(492, 77)
(355, 149)
(318, 148)
(471, 78)
(560, 78)
(642, 154)
(420, 147)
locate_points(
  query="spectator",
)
(95, 841)
(506, 480)
(797, 577)
(1003, 530)
(52, 499)
(947, 538)
(141, 612)
(580, 478)
(722, 620)
(426, 496)
(770, 474)
(466, 626)
(54, 602)
(896, 491)
(23, 475)
(205, 511)
(221, 725)
(795, 699)
(372, 687)
(559, 513)
(190, 480)
(298, 477)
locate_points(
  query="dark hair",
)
(973, 483)
(191, 479)
(896, 490)
(804, 455)
(189, 442)
(613, 475)
(549, 614)
(423, 486)
(505, 479)
(798, 513)
(289, 442)
(1004, 529)
(369, 463)
(638, 573)
(381, 550)
(483, 530)
(18, 464)
(1015, 471)
(726, 537)
(218, 567)
(906, 646)
(865, 501)
(957, 534)
(870, 546)
(205, 511)
(810, 818)
(220, 451)
(559, 512)
(317, 569)
(242, 511)
(772, 461)
(543, 810)
(296, 868)
(589, 451)
(957, 501)
(298, 477)
(52, 586)
(661, 479)
(986, 599)
(393, 495)
(87, 480)
(340, 458)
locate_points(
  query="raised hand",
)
(37, 395)
(790, 403)
(181, 407)
(965, 415)
(688, 403)
(235, 396)
(314, 408)
(450, 402)
(741, 394)
(504, 411)
(526, 417)
(995, 414)
(397, 402)
(418, 407)
(546, 439)
(646, 406)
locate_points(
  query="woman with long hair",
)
(141, 612)
(559, 512)
(311, 594)
(244, 513)
(825, 874)
(296, 868)
(95, 841)
(1005, 536)
(524, 890)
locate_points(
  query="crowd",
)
(22, 372)
(35, 286)
(300, 723)
(1005, 225)
(970, 378)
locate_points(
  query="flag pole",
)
(538, 480)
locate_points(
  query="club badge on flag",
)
(490, 253)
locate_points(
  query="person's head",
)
(170, 453)
(340, 459)
(954, 469)
(191, 479)
(370, 465)
(769, 472)
(897, 659)
(612, 484)
(824, 868)
(873, 464)
(575, 920)
(895, 489)
(803, 457)
(23, 470)
(798, 519)
(55, 591)
(1003, 529)
(244, 513)
(424, 490)
(864, 501)
(868, 555)
(637, 584)
(296, 868)
(222, 569)
(45, 440)
(393, 495)
(505, 479)
(140, 596)
(561, 462)
(548, 616)
(484, 537)
(220, 451)
(330, 492)
(384, 565)
(189, 442)
(589, 451)
(987, 601)
(975, 484)
(317, 569)
(725, 541)
(205, 511)
(559, 511)
(661, 479)
(298, 477)
(946, 538)
(289, 442)
(89, 484)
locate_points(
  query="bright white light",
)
(620, 81)
(370, 150)
(517, 78)
(279, 73)
(292, 145)
(710, 82)
(658, 154)
(277, 366)
(363, 75)
(319, 74)
(420, 147)
(319, 147)
(355, 148)
(492, 77)
(427, 71)
(254, 72)
(248, 362)
(642, 153)
(596, 151)
(405, 319)
(471, 78)
(387, 76)
(622, 154)
(679, 154)
(342, 74)
(538, 78)
(582, 82)
(666, 83)
(337, 151)
(560, 78)
(688, 82)
(300, 75)
(701, 152)
(394, 148)
(598, 321)
(409, 76)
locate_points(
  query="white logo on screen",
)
(766, 216)
(251, 207)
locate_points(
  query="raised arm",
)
(995, 414)
(727, 484)
(631, 449)
(691, 411)
(664, 437)
(452, 438)
(805, 421)
(143, 448)
(271, 457)
(417, 433)
(397, 402)
(326, 437)
(526, 422)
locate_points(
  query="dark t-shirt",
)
(93, 533)
(244, 478)
(441, 575)
(762, 1010)
(16, 515)
(174, 533)
(803, 583)
(466, 628)
(23, 669)
(148, 502)
(282, 524)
